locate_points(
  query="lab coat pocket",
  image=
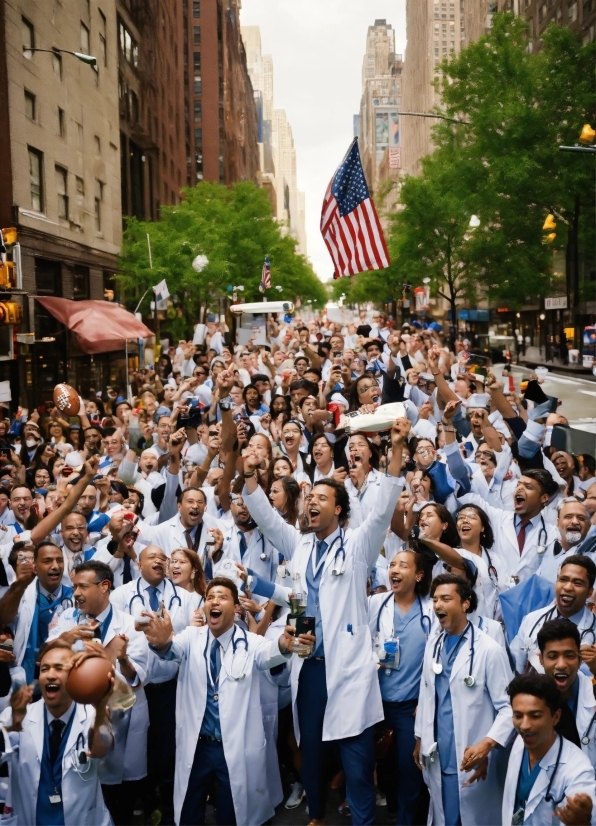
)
(355, 647)
(97, 816)
(256, 770)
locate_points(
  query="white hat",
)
(74, 460)
(478, 400)
(339, 399)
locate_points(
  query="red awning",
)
(98, 325)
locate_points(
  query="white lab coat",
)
(485, 588)
(350, 667)
(586, 709)
(366, 495)
(574, 775)
(240, 717)
(550, 564)
(383, 619)
(128, 760)
(506, 547)
(270, 690)
(170, 535)
(524, 646)
(125, 599)
(116, 564)
(256, 545)
(82, 798)
(479, 711)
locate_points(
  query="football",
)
(89, 682)
(67, 399)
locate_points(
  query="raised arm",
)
(53, 519)
(282, 536)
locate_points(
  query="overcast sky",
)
(317, 48)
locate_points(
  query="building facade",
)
(277, 153)
(220, 110)
(578, 15)
(60, 175)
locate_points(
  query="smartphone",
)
(338, 357)
(305, 625)
(478, 371)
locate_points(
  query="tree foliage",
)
(502, 165)
(234, 228)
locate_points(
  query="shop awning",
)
(99, 326)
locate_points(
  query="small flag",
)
(350, 225)
(265, 276)
(161, 290)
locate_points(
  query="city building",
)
(277, 152)
(60, 179)
(151, 105)
(220, 110)
(378, 120)
(579, 15)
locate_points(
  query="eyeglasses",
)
(213, 433)
(423, 451)
(362, 389)
(236, 499)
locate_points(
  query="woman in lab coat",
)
(480, 717)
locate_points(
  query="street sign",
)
(556, 302)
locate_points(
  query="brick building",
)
(578, 15)
(220, 111)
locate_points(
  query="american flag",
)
(349, 222)
(265, 276)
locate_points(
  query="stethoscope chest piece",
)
(469, 681)
(585, 741)
(437, 668)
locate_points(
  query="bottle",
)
(382, 419)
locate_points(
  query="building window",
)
(103, 52)
(196, 59)
(134, 108)
(128, 45)
(572, 11)
(196, 8)
(97, 145)
(197, 84)
(196, 36)
(62, 192)
(198, 139)
(197, 109)
(29, 105)
(85, 41)
(57, 64)
(61, 123)
(80, 283)
(588, 7)
(80, 201)
(36, 178)
(28, 37)
(98, 200)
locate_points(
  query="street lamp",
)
(587, 136)
(84, 58)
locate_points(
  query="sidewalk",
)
(534, 357)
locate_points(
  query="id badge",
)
(55, 798)
(518, 817)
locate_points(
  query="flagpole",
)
(155, 318)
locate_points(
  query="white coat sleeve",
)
(138, 654)
(519, 647)
(282, 536)
(368, 538)
(498, 677)
(268, 655)
(119, 599)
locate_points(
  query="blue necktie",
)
(321, 548)
(215, 657)
(126, 573)
(56, 729)
(153, 597)
(243, 545)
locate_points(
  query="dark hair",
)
(100, 569)
(181, 493)
(93, 427)
(270, 469)
(341, 497)
(588, 462)
(119, 487)
(450, 535)
(582, 561)
(537, 685)
(259, 377)
(487, 537)
(286, 402)
(314, 370)
(224, 582)
(462, 586)
(557, 630)
(17, 548)
(301, 358)
(199, 582)
(421, 588)
(375, 451)
(317, 438)
(52, 645)
(292, 492)
(254, 389)
(544, 479)
(43, 544)
(305, 384)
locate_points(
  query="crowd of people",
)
(342, 555)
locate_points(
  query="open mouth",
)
(519, 500)
(441, 615)
(194, 514)
(214, 615)
(561, 678)
(395, 580)
(158, 568)
(52, 690)
(567, 600)
(313, 513)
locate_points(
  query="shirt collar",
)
(331, 538)
(65, 717)
(534, 521)
(224, 639)
(145, 585)
(104, 614)
(49, 594)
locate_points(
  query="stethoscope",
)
(234, 643)
(541, 546)
(175, 598)
(437, 666)
(548, 796)
(65, 603)
(423, 617)
(341, 550)
(492, 571)
(263, 556)
(549, 615)
(585, 740)
(79, 759)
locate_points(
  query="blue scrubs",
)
(525, 782)
(444, 731)
(399, 690)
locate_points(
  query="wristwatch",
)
(227, 403)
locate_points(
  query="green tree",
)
(233, 227)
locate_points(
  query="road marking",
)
(588, 392)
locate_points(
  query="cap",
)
(339, 399)
(478, 400)
(378, 342)
(160, 413)
(74, 460)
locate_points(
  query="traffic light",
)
(10, 312)
(8, 273)
(587, 134)
(8, 276)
